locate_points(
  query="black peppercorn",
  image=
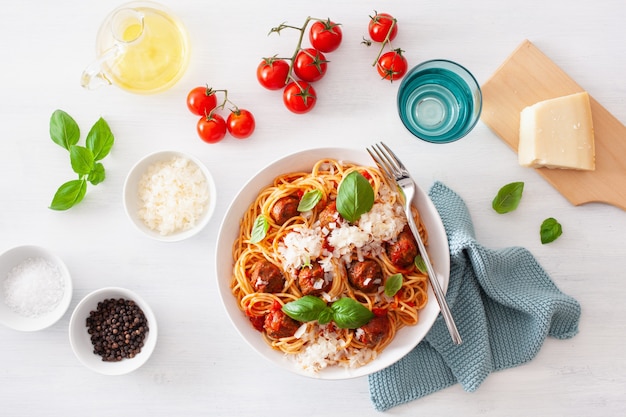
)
(117, 328)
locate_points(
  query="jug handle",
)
(93, 77)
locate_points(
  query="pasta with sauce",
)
(316, 252)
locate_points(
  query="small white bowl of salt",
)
(35, 288)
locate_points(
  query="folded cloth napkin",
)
(504, 305)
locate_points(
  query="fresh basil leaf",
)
(420, 264)
(355, 196)
(508, 197)
(393, 285)
(69, 194)
(81, 159)
(350, 314)
(64, 130)
(326, 316)
(309, 200)
(550, 230)
(259, 229)
(307, 308)
(100, 139)
(97, 174)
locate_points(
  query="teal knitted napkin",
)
(504, 305)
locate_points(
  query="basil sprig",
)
(393, 285)
(309, 200)
(259, 229)
(508, 197)
(345, 312)
(550, 230)
(84, 160)
(355, 196)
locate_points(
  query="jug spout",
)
(126, 27)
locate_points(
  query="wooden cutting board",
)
(527, 77)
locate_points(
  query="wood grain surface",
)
(528, 76)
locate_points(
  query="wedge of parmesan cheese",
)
(558, 133)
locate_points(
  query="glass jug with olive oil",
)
(141, 47)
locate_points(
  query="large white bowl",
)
(405, 340)
(12, 258)
(80, 340)
(132, 201)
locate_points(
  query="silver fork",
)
(397, 174)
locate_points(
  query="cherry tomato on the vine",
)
(211, 128)
(201, 100)
(380, 25)
(325, 36)
(272, 73)
(240, 123)
(392, 65)
(309, 65)
(299, 97)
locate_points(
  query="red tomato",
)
(382, 24)
(201, 100)
(299, 97)
(325, 35)
(211, 129)
(240, 123)
(309, 65)
(392, 65)
(272, 73)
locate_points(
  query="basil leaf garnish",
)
(350, 314)
(100, 139)
(81, 159)
(69, 194)
(64, 130)
(550, 230)
(309, 200)
(393, 285)
(508, 197)
(259, 229)
(355, 196)
(420, 264)
(307, 308)
(97, 174)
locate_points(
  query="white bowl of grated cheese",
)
(169, 195)
(35, 288)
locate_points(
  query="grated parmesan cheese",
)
(174, 196)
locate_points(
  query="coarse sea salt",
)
(33, 287)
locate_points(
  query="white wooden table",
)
(201, 366)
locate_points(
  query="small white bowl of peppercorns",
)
(113, 331)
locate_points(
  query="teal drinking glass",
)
(439, 101)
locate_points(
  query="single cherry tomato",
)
(325, 36)
(211, 128)
(299, 97)
(382, 24)
(240, 123)
(272, 73)
(309, 65)
(201, 100)
(392, 65)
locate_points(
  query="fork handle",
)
(434, 282)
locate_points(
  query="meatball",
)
(284, 209)
(403, 251)
(267, 277)
(366, 275)
(374, 331)
(311, 280)
(328, 215)
(278, 324)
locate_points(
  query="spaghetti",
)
(336, 258)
